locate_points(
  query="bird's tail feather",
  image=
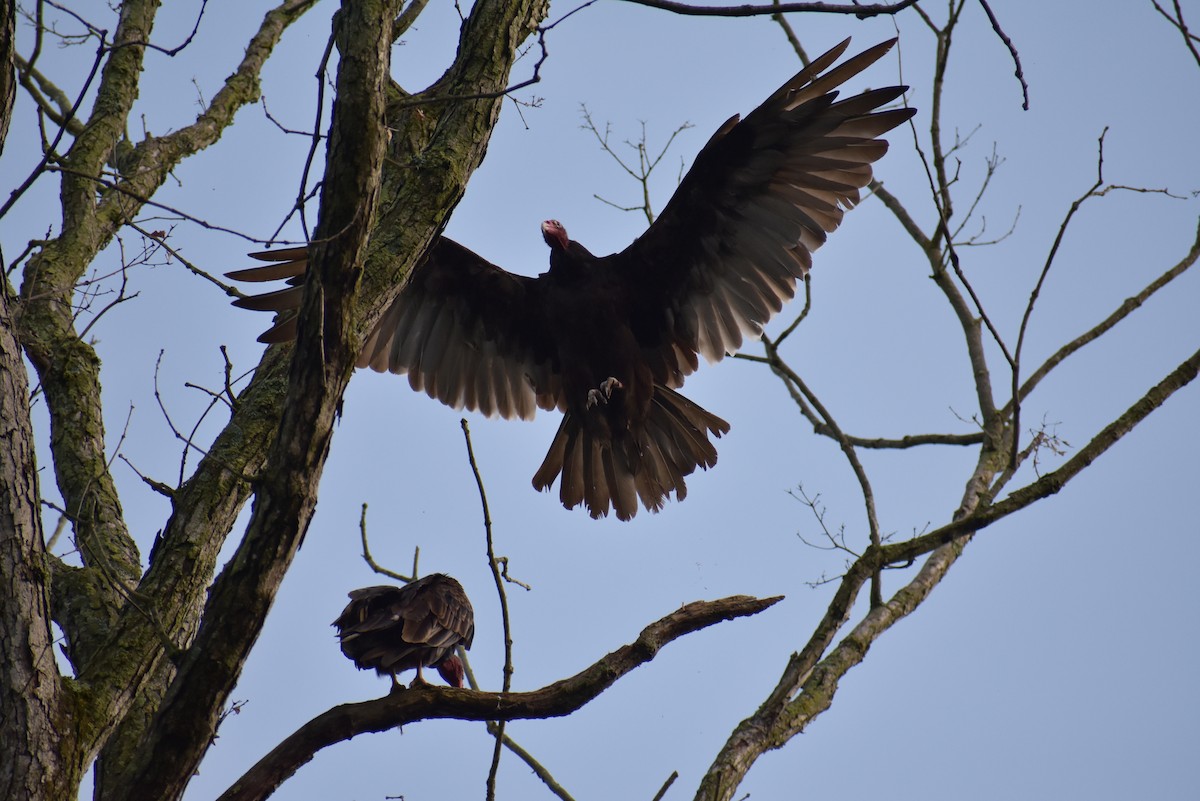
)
(647, 464)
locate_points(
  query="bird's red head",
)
(451, 671)
(555, 235)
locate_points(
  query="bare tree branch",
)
(1127, 307)
(34, 763)
(1052, 482)
(862, 11)
(326, 348)
(505, 622)
(810, 680)
(423, 703)
(1190, 40)
(1012, 49)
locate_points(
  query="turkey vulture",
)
(607, 340)
(392, 629)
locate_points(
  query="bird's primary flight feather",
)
(607, 340)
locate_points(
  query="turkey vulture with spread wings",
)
(392, 629)
(608, 340)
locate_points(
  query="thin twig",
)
(62, 131)
(1012, 49)
(780, 368)
(1037, 288)
(646, 163)
(1189, 39)
(370, 560)
(538, 768)
(782, 21)
(1127, 307)
(508, 642)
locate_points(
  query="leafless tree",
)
(152, 653)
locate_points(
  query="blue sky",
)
(1057, 659)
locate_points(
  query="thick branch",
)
(325, 351)
(417, 195)
(116, 638)
(68, 367)
(182, 563)
(110, 112)
(52, 101)
(8, 66)
(149, 163)
(34, 704)
(782, 716)
(555, 700)
(810, 681)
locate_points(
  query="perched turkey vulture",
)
(608, 340)
(392, 629)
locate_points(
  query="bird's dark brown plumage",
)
(393, 629)
(608, 339)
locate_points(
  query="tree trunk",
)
(37, 751)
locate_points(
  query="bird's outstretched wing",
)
(466, 332)
(762, 195)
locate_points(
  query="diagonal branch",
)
(113, 621)
(324, 357)
(1190, 40)
(146, 166)
(821, 428)
(1127, 307)
(423, 703)
(790, 377)
(1052, 482)
(419, 195)
(52, 100)
(811, 679)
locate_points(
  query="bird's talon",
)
(601, 396)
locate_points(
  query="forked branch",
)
(812, 676)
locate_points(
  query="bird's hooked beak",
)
(555, 235)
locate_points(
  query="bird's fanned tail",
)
(602, 472)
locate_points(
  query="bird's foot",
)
(598, 397)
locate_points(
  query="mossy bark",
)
(155, 654)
